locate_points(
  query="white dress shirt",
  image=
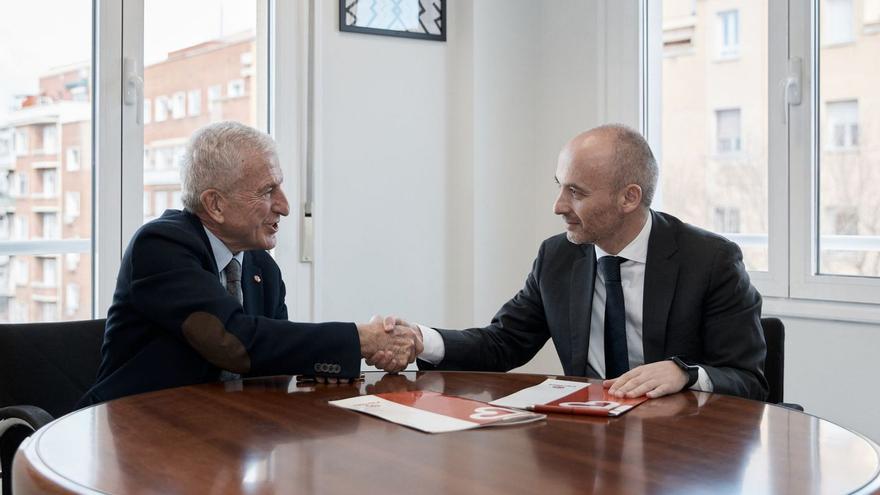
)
(632, 277)
(222, 255)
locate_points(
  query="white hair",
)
(215, 158)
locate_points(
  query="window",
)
(148, 111)
(848, 230)
(19, 184)
(50, 225)
(819, 237)
(162, 107)
(176, 201)
(48, 311)
(728, 34)
(843, 125)
(872, 16)
(727, 129)
(727, 220)
(49, 268)
(71, 299)
(71, 261)
(20, 271)
(838, 21)
(160, 202)
(235, 88)
(21, 142)
(181, 66)
(71, 206)
(712, 151)
(49, 183)
(21, 227)
(163, 158)
(179, 105)
(5, 144)
(72, 160)
(50, 139)
(194, 102)
(6, 226)
(215, 92)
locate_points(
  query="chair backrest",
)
(774, 365)
(49, 365)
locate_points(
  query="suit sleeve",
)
(733, 341)
(171, 286)
(515, 335)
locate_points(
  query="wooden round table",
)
(270, 435)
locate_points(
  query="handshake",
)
(389, 343)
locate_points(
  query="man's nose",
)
(280, 204)
(560, 206)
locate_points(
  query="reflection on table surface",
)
(277, 435)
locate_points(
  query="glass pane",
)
(849, 138)
(202, 71)
(45, 161)
(713, 157)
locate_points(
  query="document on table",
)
(433, 412)
(568, 397)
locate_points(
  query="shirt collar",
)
(637, 249)
(222, 254)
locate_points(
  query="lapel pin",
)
(257, 279)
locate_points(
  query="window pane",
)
(713, 170)
(849, 141)
(211, 56)
(45, 160)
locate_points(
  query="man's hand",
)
(383, 360)
(387, 345)
(654, 380)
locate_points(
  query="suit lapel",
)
(583, 279)
(661, 274)
(252, 285)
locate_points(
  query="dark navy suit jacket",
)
(168, 274)
(698, 305)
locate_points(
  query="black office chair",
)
(44, 370)
(774, 364)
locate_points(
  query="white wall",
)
(435, 164)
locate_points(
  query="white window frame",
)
(73, 158)
(194, 102)
(792, 285)
(178, 105)
(724, 50)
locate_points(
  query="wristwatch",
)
(693, 372)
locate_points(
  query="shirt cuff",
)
(704, 383)
(434, 350)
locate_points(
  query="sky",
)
(37, 35)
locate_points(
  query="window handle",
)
(134, 88)
(791, 87)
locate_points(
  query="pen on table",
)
(587, 411)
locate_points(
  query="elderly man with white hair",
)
(199, 299)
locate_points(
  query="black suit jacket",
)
(167, 276)
(698, 305)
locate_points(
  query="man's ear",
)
(631, 198)
(213, 204)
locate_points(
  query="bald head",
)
(620, 152)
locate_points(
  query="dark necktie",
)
(233, 287)
(616, 355)
(233, 279)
